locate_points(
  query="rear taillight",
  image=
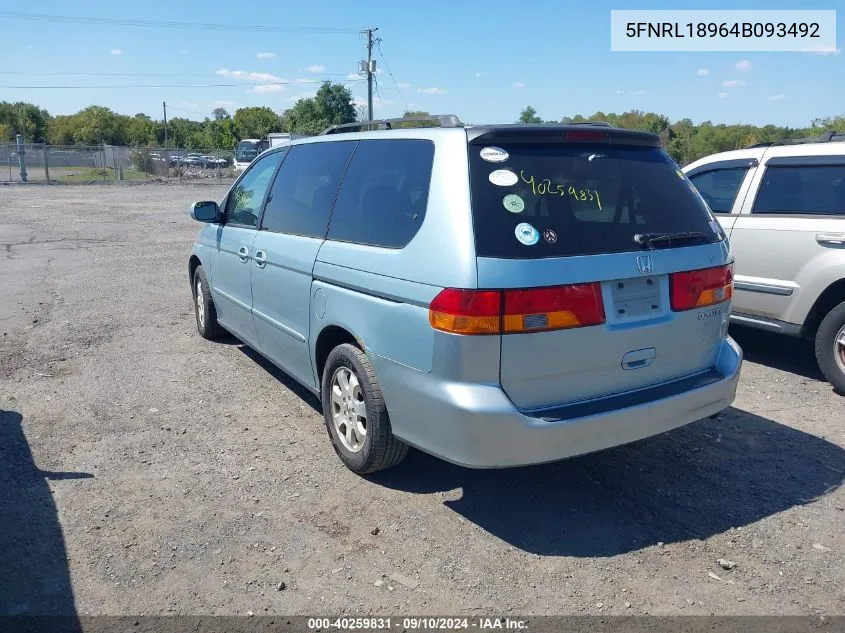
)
(700, 288)
(514, 311)
(536, 309)
(466, 311)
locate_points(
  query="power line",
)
(99, 74)
(389, 72)
(170, 24)
(228, 85)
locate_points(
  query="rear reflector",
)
(514, 311)
(701, 288)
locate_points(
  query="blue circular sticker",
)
(527, 234)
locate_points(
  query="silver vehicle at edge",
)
(494, 295)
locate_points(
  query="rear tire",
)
(356, 415)
(830, 347)
(204, 310)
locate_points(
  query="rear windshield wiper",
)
(649, 239)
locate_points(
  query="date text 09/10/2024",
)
(418, 623)
(677, 30)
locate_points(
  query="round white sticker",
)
(494, 155)
(514, 203)
(527, 234)
(503, 178)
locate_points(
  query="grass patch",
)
(93, 175)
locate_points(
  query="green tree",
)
(332, 105)
(220, 114)
(141, 130)
(529, 115)
(26, 119)
(97, 124)
(256, 122)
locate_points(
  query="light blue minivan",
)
(494, 295)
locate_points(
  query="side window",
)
(302, 194)
(719, 187)
(384, 194)
(244, 202)
(804, 189)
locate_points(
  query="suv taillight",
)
(515, 311)
(701, 288)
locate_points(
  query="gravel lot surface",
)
(144, 470)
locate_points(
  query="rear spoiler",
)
(559, 133)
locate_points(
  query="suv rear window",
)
(539, 200)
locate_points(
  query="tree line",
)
(686, 141)
(95, 125)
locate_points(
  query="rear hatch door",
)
(586, 231)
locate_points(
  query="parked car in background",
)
(494, 295)
(783, 206)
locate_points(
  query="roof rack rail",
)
(830, 136)
(445, 120)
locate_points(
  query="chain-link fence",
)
(83, 164)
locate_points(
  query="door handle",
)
(260, 259)
(243, 254)
(831, 239)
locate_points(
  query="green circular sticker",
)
(514, 203)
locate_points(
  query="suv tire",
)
(830, 347)
(204, 309)
(356, 415)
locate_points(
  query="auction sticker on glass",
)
(527, 234)
(494, 155)
(503, 178)
(514, 203)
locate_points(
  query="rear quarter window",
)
(383, 198)
(805, 189)
(557, 200)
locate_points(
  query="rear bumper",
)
(477, 425)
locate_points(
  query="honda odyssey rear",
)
(493, 295)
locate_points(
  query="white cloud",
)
(303, 95)
(30, 46)
(480, 74)
(302, 80)
(377, 102)
(702, 72)
(116, 51)
(404, 85)
(723, 95)
(183, 52)
(620, 92)
(315, 68)
(354, 76)
(248, 76)
(263, 89)
(823, 50)
(265, 55)
(743, 67)
(777, 97)
(188, 104)
(434, 90)
(639, 92)
(519, 84)
(733, 83)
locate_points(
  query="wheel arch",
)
(832, 296)
(331, 336)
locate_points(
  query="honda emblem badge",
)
(645, 264)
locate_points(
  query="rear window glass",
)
(538, 200)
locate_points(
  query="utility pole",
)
(369, 66)
(166, 154)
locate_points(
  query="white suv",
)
(783, 206)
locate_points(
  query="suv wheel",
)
(204, 308)
(355, 413)
(830, 347)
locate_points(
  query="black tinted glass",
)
(383, 198)
(817, 190)
(545, 200)
(301, 196)
(719, 187)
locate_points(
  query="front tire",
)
(204, 310)
(356, 415)
(830, 347)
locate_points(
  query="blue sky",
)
(483, 61)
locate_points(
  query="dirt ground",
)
(144, 470)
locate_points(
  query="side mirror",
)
(206, 211)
